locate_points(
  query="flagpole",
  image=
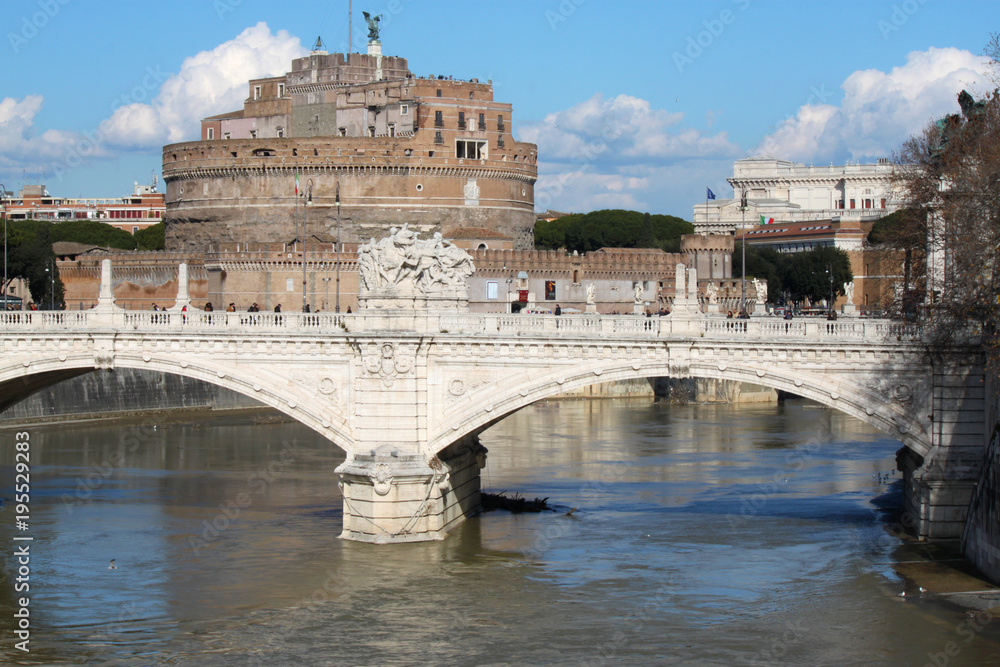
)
(743, 247)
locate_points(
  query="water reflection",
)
(704, 534)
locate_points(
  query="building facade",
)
(143, 208)
(792, 192)
(348, 146)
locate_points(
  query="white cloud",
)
(622, 129)
(620, 153)
(879, 110)
(20, 147)
(208, 83)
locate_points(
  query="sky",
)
(639, 104)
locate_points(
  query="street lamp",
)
(308, 195)
(340, 245)
(743, 247)
(829, 271)
(3, 203)
(52, 277)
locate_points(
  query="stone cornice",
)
(462, 171)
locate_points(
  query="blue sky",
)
(633, 103)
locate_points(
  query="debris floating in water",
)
(514, 503)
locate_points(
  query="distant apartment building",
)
(143, 208)
(347, 146)
(789, 192)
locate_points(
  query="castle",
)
(344, 146)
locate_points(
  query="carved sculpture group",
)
(403, 259)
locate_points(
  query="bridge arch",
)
(302, 403)
(490, 405)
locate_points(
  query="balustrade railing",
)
(463, 323)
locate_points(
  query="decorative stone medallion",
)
(381, 477)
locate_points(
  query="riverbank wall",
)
(981, 538)
(121, 392)
(125, 391)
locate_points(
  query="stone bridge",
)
(405, 392)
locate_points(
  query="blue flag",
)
(709, 194)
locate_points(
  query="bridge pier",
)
(391, 496)
(938, 487)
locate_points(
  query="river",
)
(702, 535)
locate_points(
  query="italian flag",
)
(297, 186)
(763, 220)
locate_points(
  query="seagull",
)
(923, 590)
(112, 566)
(902, 594)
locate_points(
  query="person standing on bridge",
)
(558, 309)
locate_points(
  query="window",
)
(281, 90)
(256, 92)
(210, 133)
(227, 136)
(470, 95)
(404, 109)
(253, 134)
(482, 121)
(492, 289)
(281, 132)
(439, 119)
(439, 92)
(461, 120)
(883, 203)
(135, 229)
(550, 290)
(474, 149)
(438, 138)
(499, 123)
(342, 131)
(852, 203)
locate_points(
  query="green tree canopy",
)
(29, 257)
(93, 232)
(151, 238)
(796, 275)
(614, 228)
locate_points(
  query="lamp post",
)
(743, 248)
(308, 195)
(829, 272)
(51, 270)
(340, 246)
(3, 203)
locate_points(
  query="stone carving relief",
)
(591, 294)
(402, 260)
(381, 477)
(712, 293)
(387, 362)
(459, 388)
(760, 287)
(104, 354)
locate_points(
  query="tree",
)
(615, 228)
(949, 177)
(93, 232)
(29, 255)
(815, 273)
(151, 238)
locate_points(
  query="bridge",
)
(405, 391)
